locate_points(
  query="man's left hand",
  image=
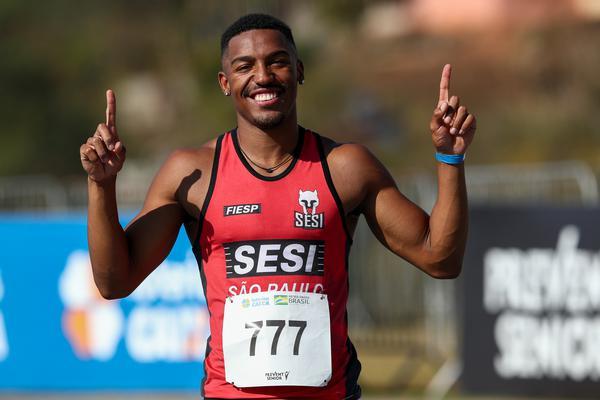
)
(452, 127)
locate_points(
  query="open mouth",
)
(265, 97)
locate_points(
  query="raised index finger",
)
(111, 110)
(445, 84)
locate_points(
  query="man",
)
(270, 209)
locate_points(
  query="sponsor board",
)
(159, 325)
(51, 314)
(532, 302)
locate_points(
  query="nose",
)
(263, 74)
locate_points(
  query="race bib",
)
(277, 339)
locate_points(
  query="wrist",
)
(102, 195)
(452, 159)
(104, 183)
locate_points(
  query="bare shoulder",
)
(354, 171)
(184, 177)
(186, 159)
(353, 160)
(187, 162)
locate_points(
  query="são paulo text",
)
(245, 288)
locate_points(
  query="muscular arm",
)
(435, 243)
(122, 258)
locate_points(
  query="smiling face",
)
(261, 71)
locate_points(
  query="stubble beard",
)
(266, 122)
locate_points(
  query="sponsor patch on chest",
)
(240, 209)
(274, 257)
(309, 218)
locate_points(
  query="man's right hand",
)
(103, 154)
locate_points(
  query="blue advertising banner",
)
(57, 332)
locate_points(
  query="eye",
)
(280, 62)
(243, 68)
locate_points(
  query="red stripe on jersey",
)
(299, 205)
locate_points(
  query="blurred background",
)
(528, 69)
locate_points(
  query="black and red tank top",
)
(300, 205)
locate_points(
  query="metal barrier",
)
(560, 183)
(32, 193)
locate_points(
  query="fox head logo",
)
(309, 200)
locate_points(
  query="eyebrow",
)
(250, 58)
(242, 59)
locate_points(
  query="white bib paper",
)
(277, 339)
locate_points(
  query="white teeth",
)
(264, 96)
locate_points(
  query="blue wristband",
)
(452, 159)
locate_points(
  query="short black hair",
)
(255, 21)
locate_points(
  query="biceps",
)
(150, 237)
(398, 223)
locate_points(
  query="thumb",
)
(437, 119)
(120, 150)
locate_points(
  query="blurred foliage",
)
(342, 12)
(535, 91)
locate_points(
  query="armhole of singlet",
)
(209, 192)
(329, 181)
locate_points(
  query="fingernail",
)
(444, 107)
(461, 132)
(447, 120)
(453, 131)
(111, 147)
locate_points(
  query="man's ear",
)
(300, 68)
(223, 83)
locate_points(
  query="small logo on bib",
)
(309, 218)
(281, 300)
(277, 376)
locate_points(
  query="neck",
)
(268, 146)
